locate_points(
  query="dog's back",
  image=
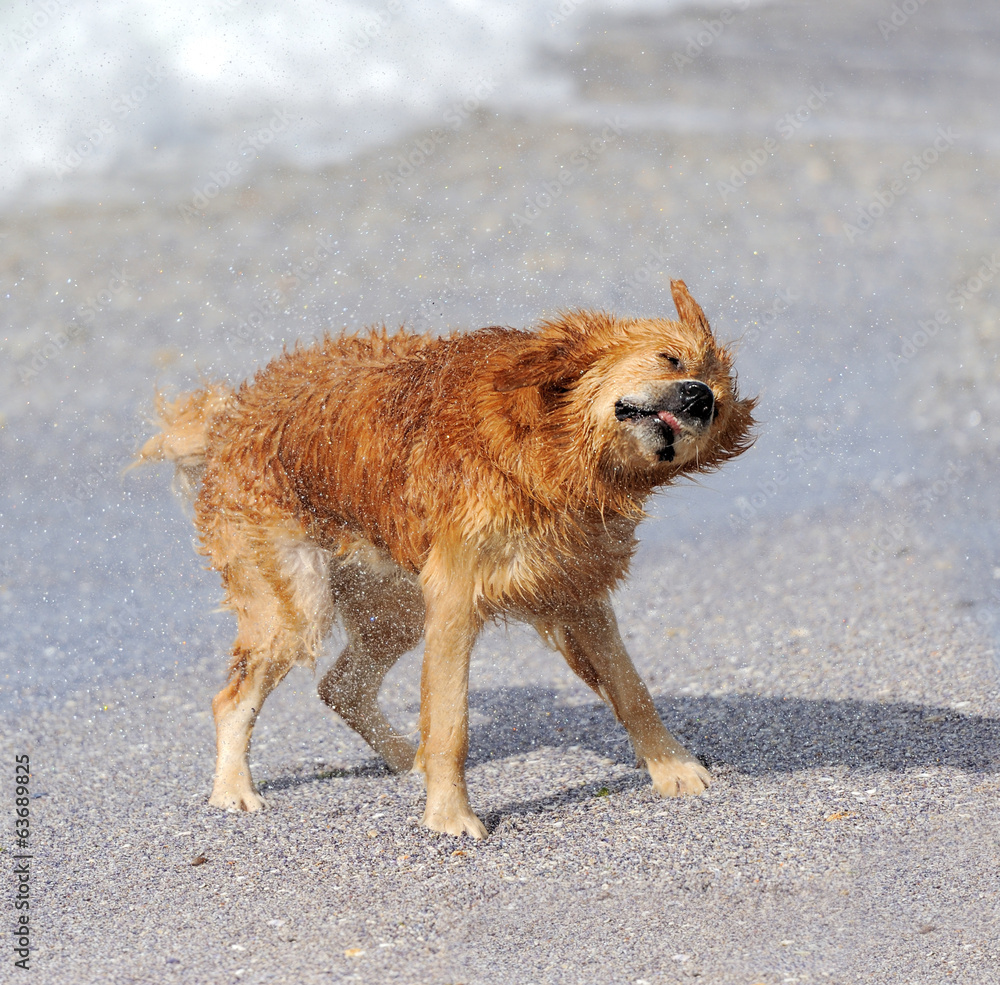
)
(277, 441)
(372, 437)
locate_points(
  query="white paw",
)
(454, 819)
(676, 777)
(237, 801)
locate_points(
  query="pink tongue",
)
(669, 420)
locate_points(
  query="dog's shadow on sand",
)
(743, 734)
(751, 734)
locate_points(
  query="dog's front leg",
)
(451, 628)
(593, 647)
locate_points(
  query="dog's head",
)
(652, 398)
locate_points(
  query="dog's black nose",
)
(697, 399)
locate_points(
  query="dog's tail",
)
(183, 438)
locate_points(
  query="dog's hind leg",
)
(593, 648)
(254, 672)
(383, 613)
(280, 594)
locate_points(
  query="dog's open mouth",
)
(669, 426)
(629, 412)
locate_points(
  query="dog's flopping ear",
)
(551, 366)
(551, 359)
(689, 309)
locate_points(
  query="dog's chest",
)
(567, 562)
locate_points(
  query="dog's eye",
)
(675, 363)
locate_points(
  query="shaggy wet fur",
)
(416, 486)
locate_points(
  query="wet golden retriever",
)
(416, 486)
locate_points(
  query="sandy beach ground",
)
(818, 622)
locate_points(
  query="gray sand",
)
(817, 622)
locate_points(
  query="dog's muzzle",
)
(689, 403)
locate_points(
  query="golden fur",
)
(417, 486)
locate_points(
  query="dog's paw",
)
(677, 777)
(237, 801)
(454, 820)
(399, 755)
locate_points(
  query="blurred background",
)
(183, 192)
